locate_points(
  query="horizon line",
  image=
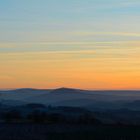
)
(9, 89)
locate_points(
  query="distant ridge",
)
(25, 90)
(91, 99)
(70, 89)
(65, 90)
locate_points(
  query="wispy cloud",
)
(104, 5)
(131, 34)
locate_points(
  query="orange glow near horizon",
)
(107, 68)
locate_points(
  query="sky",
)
(88, 44)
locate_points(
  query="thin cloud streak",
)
(107, 33)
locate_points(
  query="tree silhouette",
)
(12, 116)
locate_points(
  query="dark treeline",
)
(22, 131)
(38, 122)
(37, 116)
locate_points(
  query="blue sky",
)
(40, 20)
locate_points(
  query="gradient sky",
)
(91, 44)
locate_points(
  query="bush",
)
(12, 116)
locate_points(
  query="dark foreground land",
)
(68, 132)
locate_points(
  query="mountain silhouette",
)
(64, 91)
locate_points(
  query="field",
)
(67, 132)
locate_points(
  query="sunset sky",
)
(88, 44)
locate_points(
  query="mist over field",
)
(120, 104)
